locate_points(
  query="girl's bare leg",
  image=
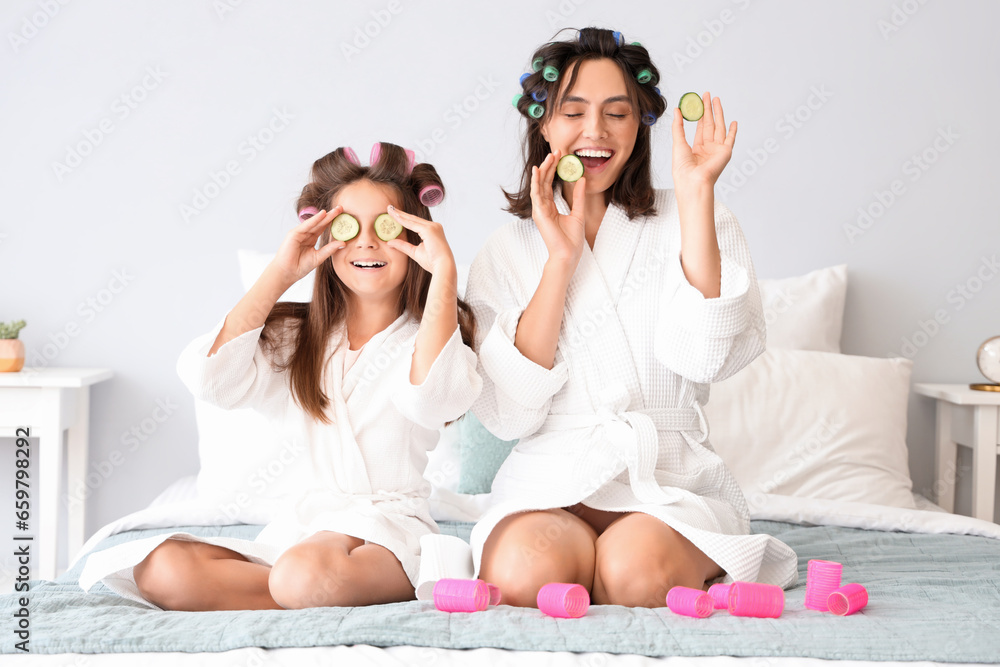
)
(329, 569)
(639, 558)
(527, 550)
(182, 575)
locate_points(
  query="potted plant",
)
(11, 349)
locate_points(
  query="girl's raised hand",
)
(702, 162)
(433, 253)
(297, 255)
(564, 235)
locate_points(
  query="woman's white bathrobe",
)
(362, 475)
(617, 422)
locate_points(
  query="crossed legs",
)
(626, 558)
(326, 569)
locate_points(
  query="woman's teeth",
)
(591, 152)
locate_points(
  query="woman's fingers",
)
(708, 117)
(579, 197)
(720, 128)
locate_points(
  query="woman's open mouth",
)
(594, 159)
(368, 265)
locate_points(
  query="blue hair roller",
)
(523, 77)
(539, 95)
(648, 118)
(618, 38)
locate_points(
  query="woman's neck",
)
(367, 318)
(595, 205)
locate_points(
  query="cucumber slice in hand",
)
(691, 106)
(344, 227)
(386, 228)
(570, 168)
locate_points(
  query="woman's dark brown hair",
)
(634, 188)
(310, 325)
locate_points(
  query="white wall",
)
(224, 76)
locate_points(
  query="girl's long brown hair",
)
(307, 327)
(634, 188)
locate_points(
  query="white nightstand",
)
(970, 418)
(51, 401)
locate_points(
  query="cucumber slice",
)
(344, 227)
(570, 168)
(386, 228)
(691, 106)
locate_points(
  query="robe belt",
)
(331, 499)
(634, 434)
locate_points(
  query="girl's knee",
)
(169, 574)
(302, 577)
(643, 583)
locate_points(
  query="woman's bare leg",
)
(329, 569)
(639, 558)
(527, 550)
(182, 575)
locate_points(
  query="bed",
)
(821, 457)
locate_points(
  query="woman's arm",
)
(700, 257)
(538, 328)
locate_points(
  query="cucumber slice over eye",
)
(386, 228)
(344, 227)
(570, 168)
(691, 106)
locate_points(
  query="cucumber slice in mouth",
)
(569, 168)
(691, 106)
(386, 228)
(344, 227)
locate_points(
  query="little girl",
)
(602, 324)
(365, 374)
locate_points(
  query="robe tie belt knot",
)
(634, 435)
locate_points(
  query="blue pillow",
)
(482, 454)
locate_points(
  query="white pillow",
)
(816, 425)
(805, 312)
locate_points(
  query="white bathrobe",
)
(617, 422)
(362, 475)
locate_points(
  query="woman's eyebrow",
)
(616, 98)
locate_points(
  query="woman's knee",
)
(169, 575)
(308, 576)
(528, 550)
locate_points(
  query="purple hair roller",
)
(307, 212)
(431, 195)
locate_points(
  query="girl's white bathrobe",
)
(362, 475)
(617, 422)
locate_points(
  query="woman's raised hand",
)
(702, 162)
(433, 253)
(297, 255)
(564, 235)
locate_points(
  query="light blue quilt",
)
(932, 597)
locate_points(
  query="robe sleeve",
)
(449, 390)
(238, 375)
(517, 392)
(709, 340)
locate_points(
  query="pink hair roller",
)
(563, 600)
(690, 602)
(308, 212)
(431, 195)
(757, 600)
(464, 595)
(720, 595)
(822, 578)
(411, 157)
(351, 156)
(411, 161)
(848, 599)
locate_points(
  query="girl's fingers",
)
(407, 249)
(699, 133)
(731, 138)
(720, 131)
(408, 220)
(709, 117)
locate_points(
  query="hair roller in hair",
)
(308, 212)
(537, 63)
(648, 118)
(635, 44)
(431, 195)
(517, 98)
(644, 76)
(550, 73)
(539, 95)
(351, 156)
(411, 160)
(618, 38)
(536, 110)
(523, 77)
(375, 154)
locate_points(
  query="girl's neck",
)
(367, 318)
(595, 205)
